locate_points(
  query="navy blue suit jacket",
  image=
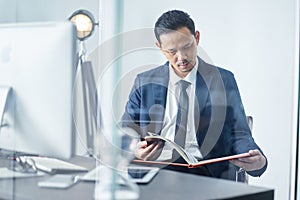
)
(220, 121)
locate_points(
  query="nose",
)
(181, 55)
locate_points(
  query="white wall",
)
(37, 10)
(56, 10)
(252, 38)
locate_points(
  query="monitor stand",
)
(91, 109)
(16, 163)
(6, 101)
(6, 124)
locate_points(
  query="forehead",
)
(178, 38)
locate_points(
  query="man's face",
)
(180, 48)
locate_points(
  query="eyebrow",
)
(186, 45)
(171, 49)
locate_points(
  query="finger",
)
(142, 144)
(155, 154)
(152, 155)
(156, 151)
(237, 162)
(250, 159)
(252, 163)
(255, 155)
(243, 165)
(143, 150)
(150, 148)
(159, 145)
(255, 152)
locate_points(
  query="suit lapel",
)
(159, 96)
(211, 94)
(203, 83)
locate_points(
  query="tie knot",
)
(183, 84)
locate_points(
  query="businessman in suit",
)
(192, 103)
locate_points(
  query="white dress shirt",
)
(169, 126)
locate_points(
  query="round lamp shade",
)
(84, 23)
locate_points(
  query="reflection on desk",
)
(165, 185)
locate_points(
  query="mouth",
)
(183, 64)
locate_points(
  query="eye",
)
(187, 46)
(172, 52)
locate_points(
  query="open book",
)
(191, 161)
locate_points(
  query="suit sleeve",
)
(131, 114)
(241, 134)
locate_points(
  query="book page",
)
(220, 159)
(198, 164)
(190, 159)
(192, 162)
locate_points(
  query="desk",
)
(166, 185)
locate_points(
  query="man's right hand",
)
(151, 152)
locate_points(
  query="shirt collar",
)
(191, 77)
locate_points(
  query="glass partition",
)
(256, 40)
(251, 40)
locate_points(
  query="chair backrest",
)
(250, 122)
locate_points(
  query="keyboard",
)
(53, 165)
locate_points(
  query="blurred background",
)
(257, 40)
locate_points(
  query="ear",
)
(158, 44)
(197, 36)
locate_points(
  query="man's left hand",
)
(255, 162)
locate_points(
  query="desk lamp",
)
(85, 24)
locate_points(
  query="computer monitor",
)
(37, 61)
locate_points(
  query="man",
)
(206, 114)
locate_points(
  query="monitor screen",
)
(37, 61)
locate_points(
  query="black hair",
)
(171, 21)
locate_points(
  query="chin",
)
(188, 69)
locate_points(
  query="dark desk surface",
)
(166, 185)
